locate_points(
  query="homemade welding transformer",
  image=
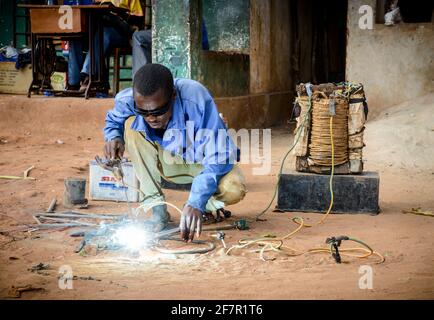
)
(329, 135)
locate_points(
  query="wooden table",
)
(67, 23)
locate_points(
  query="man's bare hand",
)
(114, 149)
(191, 220)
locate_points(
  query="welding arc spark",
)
(133, 237)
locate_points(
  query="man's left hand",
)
(191, 221)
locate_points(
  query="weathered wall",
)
(270, 50)
(171, 36)
(256, 110)
(258, 95)
(177, 45)
(227, 23)
(224, 74)
(224, 69)
(394, 63)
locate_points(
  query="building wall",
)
(224, 69)
(252, 89)
(224, 74)
(394, 63)
(177, 44)
(171, 36)
(270, 84)
(270, 62)
(227, 24)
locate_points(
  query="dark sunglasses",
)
(156, 112)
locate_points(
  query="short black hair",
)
(152, 77)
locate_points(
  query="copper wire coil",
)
(320, 146)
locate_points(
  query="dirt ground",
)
(29, 129)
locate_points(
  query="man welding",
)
(172, 130)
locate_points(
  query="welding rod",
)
(52, 206)
(169, 232)
(166, 233)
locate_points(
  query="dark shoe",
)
(160, 218)
(222, 214)
(208, 218)
(71, 87)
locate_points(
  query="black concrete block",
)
(310, 192)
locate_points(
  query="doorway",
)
(319, 34)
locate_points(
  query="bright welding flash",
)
(132, 237)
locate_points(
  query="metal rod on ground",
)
(169, 232)
(52, 205)
(166, 233)
(68, 221)
(75, 215)
(59, 225)
(225, 227)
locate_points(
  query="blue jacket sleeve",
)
(217, 152)
(116, 117)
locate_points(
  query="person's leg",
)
(149, 161)
(142, 44)
(114, 39)
(75, 62)
(86, 65)
(231, 189)
(111, 39)
(143, 155)
(145, 158)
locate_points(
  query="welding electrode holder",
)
(114, 166)
(335, 243)
(220, 235)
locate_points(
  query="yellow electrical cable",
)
(268, 243)
(330, 180)
(298, 131)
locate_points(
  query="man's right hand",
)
(191, 221)
(114, 149)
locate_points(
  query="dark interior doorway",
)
(319, 38)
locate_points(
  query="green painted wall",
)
(177, 44)
(6, 34)
(225, 75)
(227, 23)
(21, 28)
(171, 36)
(6, 24)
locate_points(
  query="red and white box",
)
(103, 185)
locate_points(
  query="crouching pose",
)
(172, 130)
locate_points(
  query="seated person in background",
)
(117, 33)
(142, 45)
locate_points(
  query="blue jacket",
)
(195, 131)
